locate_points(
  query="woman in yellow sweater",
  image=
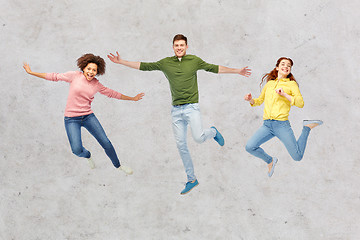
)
(280, 92)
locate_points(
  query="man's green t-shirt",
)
(181, 75)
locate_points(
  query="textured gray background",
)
(49, 193)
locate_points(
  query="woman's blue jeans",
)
(283, 131)
(91, 123)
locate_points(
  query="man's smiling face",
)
(180, 48)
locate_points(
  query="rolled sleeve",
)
(208, 66)
(108, 92)
(297, 101)
(66, 77)
(296, 97)
(150, 66)
(258, 101)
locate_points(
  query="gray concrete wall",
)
(48, 193)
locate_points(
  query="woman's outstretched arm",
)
(136, 98)
(36, 74)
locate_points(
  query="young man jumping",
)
(180, 70)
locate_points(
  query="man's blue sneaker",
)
(218, 137)
(189, 186)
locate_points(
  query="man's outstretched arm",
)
(117, 59)
(245, 71)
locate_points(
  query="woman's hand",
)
(280, 91)
(138, 97)
(249, 98)
(27, 68)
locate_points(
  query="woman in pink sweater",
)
(78, 113)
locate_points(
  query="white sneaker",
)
(127, 170)
(91, 163)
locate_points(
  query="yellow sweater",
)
(277, 107)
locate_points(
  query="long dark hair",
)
(274, 73)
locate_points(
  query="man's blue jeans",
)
(182, 116)
(283, 131)
(91, 123)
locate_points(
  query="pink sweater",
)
(81, 92)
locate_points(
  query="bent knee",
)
(181, 145)
(249, 148)
(199, 139)
(297, 158)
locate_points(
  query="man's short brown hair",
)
(180, 37)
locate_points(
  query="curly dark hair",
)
(87, 58)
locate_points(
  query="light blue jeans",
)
(283, 131)
(91, 123)
(182, 116)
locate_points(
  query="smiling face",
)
(180, 48)
(90, 71)
(284, 68)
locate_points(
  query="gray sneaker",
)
(91, 163)
(318, 122)
(127, 170)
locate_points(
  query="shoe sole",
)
(318, 122)
(190, 189)
(272, 168)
